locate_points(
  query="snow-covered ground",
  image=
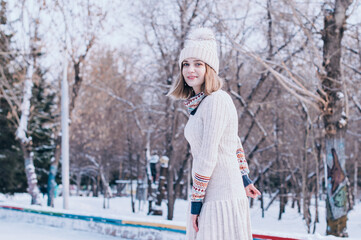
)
(11, 230)
(291, 224)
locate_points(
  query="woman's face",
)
(193, 73)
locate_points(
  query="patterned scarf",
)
(193, 102)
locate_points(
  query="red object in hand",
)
(252, 191)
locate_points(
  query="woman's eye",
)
(185, 64)
(199, 64)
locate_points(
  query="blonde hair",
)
(181, 90)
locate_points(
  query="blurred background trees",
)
(123, 58)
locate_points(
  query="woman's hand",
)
(252, 191)
(195, 221)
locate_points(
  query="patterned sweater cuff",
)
(199, 187)
(243, 165)
(196, 207)
(198, 192)
(246, 180)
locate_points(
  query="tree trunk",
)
(162, 178)
(53, 171)
(305, 194)
(336, 201)
(157, 209)
(98, 187)
(171, 120)
(131, 192)
(298, 201)
(277, 193)
(317, 191)
(32, 180)
(106, 189)
(25, 141)
(130, 165)
(150, 193)
(78, 182)
(355, 179)
(282, 201)
(171, 200)
(335, 119)
(178, 185)
(260, 185)
(94, 187)
(281, 179)
(51, 185)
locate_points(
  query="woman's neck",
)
(196, 90)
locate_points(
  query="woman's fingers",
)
(257, 192)
(195, 222)
(252, 191)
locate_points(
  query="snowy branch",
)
(110, 93)
(358, 105)
(92, 159)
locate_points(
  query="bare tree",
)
(335, 117)
(30, 51)
(165, 42)
(329, 97)
(93, 17)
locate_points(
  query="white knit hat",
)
(201, 44)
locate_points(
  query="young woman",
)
(219, 207)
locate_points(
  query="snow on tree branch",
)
(358, 105)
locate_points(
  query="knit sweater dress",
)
(212, 133)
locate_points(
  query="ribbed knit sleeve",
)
(214, 123)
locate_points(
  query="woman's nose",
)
(190, 68)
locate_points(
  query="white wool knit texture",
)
(201, 44)
(212, 135)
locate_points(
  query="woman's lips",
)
(191, 77)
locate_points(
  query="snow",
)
(10, 231)
(342, 122)
(291, 225)
(120, 207)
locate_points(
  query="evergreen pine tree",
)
(41, 126)
(12, 174)
(40, 122)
